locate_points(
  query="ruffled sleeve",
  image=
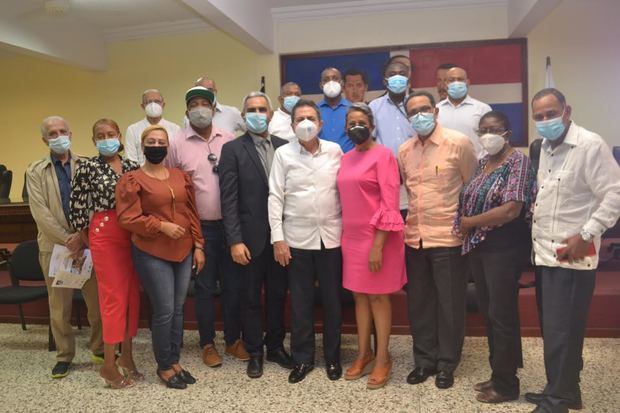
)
(129, 207)
(194, 220)
(387, 217)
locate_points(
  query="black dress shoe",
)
(420, 374)
(546, 407)
(444, 380)
(299, 372)
(255, 367)
(61, 369)
(334, 371)
(186, 376)
(537, 398)
(281, 357)
(174, 382)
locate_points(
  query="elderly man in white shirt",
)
(225, 117)
(306, 225)
(280, 124)
(578, 200)
(460, 111)
(153, 105)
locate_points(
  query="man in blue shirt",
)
(392, 128)
(333, 109)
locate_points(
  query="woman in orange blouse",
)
(156, 204)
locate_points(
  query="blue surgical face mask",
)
(108, 147)
(397, 84)
(457, 90)
(289, 102)
(256, 122)
(551, 129)
(423, 123)
(60, 145)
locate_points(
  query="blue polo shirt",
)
(63, 174)
(334, 124)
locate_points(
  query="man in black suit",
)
(244, 170)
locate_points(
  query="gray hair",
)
(363, 108)
(50, 119)
(256, 95)
(286, 86)
(152, 91)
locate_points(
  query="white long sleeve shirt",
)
(281, 127)
(578, 189)
(133, 143)
(304, 205)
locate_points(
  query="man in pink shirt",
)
(435, 164)
(196, 150)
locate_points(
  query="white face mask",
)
(306, 130)
(332, 89)
(153, 110)
(492, 143)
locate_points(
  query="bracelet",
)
(199, 247)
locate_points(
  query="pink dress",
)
(368, 183)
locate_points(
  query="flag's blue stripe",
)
(306, 71)
(514, 111)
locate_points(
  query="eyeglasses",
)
(500, 132)
(213, 159)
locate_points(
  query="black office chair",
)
(24, 266)
(6, 180)
(25, 190)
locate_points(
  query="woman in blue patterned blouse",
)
(494, 218)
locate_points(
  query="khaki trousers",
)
(60, 302)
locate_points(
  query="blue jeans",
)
(218, 265)
(165, 283)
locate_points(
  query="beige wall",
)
(579, 35)
(583, 40)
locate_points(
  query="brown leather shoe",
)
(211, 357)
(483, 385)
(237, 350)
(491, 396)
(359, 368)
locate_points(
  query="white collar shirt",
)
(133, 142)
(304, 205)
(281, 127)
(464, 118)
(578, 189)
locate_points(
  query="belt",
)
(210, 222)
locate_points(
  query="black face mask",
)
(358, 134)
(155, 154)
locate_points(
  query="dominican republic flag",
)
(496, 69)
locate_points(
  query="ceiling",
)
(75, 31)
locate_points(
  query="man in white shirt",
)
(225, 117)
(153, 105)
(306, 224)
(578, 200)
(280, 124)
(460, 111)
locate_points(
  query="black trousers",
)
(497, 274)
(263, 270)
(436, 300)
(306, 266)
(566, 295)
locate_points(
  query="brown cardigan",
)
(143, 202)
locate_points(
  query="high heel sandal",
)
(359, 368)
(133, 374)
(379, 376)
(121, 382)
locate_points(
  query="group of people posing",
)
(401, 192)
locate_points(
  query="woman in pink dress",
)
(373, 247)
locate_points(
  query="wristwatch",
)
(586, 236)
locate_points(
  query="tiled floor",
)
(26, 387)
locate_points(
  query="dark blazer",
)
(244, 188)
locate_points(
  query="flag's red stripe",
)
(484, 64)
